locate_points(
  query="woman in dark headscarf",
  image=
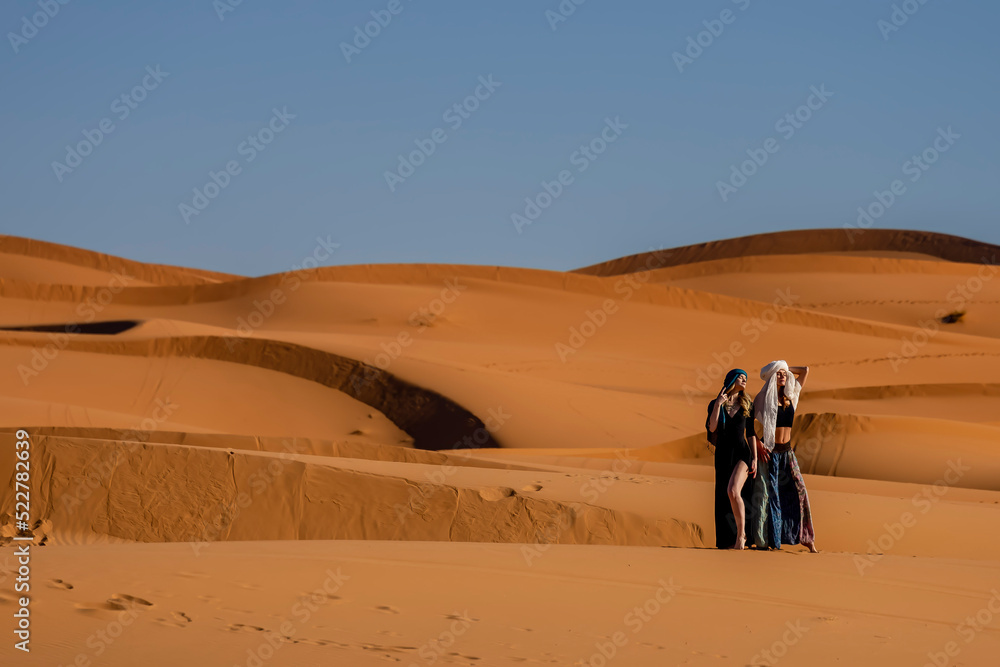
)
(730, 429)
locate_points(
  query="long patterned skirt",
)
(793, 514)
(763, 510)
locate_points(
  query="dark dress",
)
(732, 439)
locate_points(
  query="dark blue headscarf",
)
(729, 381)
(732, 375)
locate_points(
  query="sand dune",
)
(853, 242)
(905, 292)
(42, 262)
(207, 446)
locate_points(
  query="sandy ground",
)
(444, 464)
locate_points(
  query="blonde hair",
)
(745, 402)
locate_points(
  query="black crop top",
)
(785, 415)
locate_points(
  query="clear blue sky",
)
(323, 175)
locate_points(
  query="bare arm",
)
(759, 451)
(801, 373)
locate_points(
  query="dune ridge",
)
(653, 294)
(932, 244)
(262, 496)
(433, 421)
(156, 274)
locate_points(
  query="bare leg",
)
(736, 482)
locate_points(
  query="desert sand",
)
(470, 465)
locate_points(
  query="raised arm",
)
(801, 373)
(713, 418)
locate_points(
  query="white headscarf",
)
(765, 405)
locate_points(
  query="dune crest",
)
(874, 242)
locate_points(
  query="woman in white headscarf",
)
(786, 504)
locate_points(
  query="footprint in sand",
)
(531, 487)
(461, 617)
(319, 642)
(317, 596)
(386, 609)
(117, 602)
(124, 601)
(239, 627)
(88, 608)
(59, 583)
(178, 619)
(494, 493)
(387, 650)
(463, 657)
